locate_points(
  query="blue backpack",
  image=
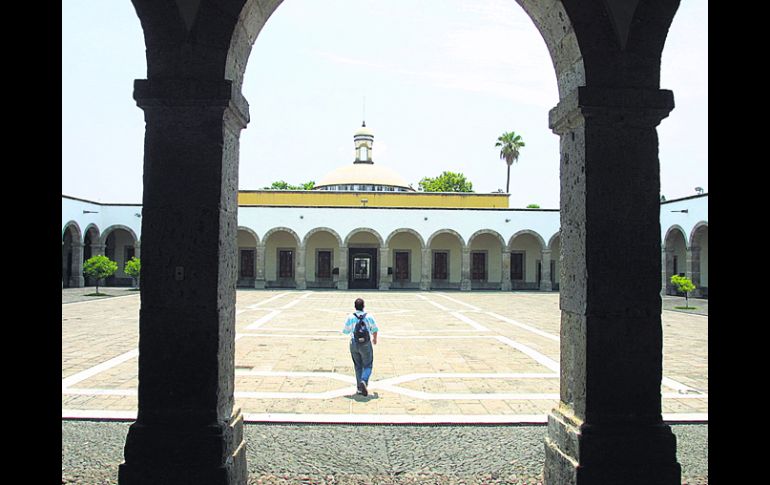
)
(361, 333)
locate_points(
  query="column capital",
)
(634, 107)
(190, 93)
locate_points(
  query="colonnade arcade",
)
(118, 242)
(403, 259)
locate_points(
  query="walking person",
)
(363, 330)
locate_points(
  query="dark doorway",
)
(363, 268)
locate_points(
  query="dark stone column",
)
(187, 430)
(545, 270)
(259, 281)
(465, 269)
(342, 264)
(77, 280)
(607, 428)
(693, 263)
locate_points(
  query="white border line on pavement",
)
(524, 326)
(83, 375)
(257, 305)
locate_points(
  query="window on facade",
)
(478, 266)
(324, 268)
(675, 265)
(247, 263)
(440, 265)
(401, 271)
(286, 263)
(517, 266)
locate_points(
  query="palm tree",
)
(511, 144)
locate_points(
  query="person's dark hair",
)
(359, 304)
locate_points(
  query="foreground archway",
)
(606, 54)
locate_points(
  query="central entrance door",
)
(363, 268)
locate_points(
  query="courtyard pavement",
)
(441, 357)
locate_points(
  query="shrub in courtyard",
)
(683, 285)
(133, 269)
(99, 267)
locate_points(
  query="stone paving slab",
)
(441, 357)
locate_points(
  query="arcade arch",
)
(675, 256)
(606, 57)
(699, 256)
(247, 241)
(448, 253)
(72, 256)
(120, 245)
(526, 250)
(282, 261)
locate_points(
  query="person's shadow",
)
(361, 398)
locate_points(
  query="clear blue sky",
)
(442, 79)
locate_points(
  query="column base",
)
(77, 282)
(342, 285)
(506, 286)
(545, 286)
(259, 284)
(158, 454)
(633, 454)
(384, 285)
(465, 285)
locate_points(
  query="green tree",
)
(282, 185)
(446, 182)
(684, 285)
(510, 145)
(99, 267)
(133, 269)
(533, 206)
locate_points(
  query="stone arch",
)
(694, 233)
(250, 232)
(93, 227)
(491, 232)
(316, 230)
(552, 240)
(120, 278)
(75, 233)
(676, 228)
(115, 227)
(367, 230)
(403, 231)
(606, 57)
(272, 231)
(530, 232)
(446, 231)
(699, 255)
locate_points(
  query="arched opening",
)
(119, 246)
(322, 248)
(71, 257)
(406, 259)
(247, 258)
(675, 251)
(606, 58)
(555, 246)
(281, 258)
(699, 248)
(91, 247)
(446, 261)
(526, 249)
(366, 260)
(486, 260)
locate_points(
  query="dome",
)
(363, 131)
(363, 174)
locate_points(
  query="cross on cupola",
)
(363, 140)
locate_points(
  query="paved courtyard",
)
(441, 357)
